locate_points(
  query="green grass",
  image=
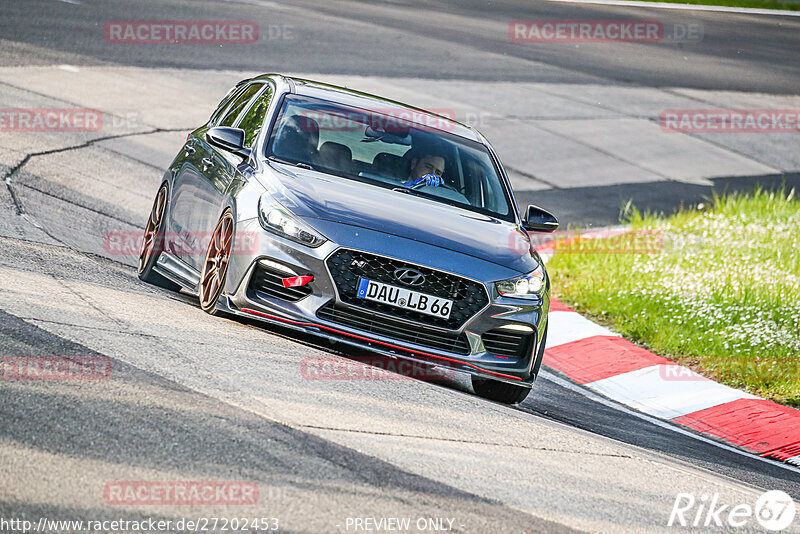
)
(721, 297)
(791, 5)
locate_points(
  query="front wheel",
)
(508, 393)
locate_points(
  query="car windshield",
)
(389, 150)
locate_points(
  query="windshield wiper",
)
(408, 191)
(296, 164)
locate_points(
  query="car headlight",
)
(278, 220)
(527, 286)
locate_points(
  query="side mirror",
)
(230, 139)
(539, 220)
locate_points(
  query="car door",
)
(229, 167)
(201, 179)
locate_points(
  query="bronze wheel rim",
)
(152, 228)
(215, 264)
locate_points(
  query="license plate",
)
(404, 298)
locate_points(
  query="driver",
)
(426, 170)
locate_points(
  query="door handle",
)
(190, 150)
(208, 162)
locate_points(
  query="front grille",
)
(269, 282)
(373, 323)
(509, 343)
(347, 266)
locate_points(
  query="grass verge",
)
(758, 4)
(721, 296)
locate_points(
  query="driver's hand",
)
(430, 180)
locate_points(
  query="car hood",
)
(319, 198)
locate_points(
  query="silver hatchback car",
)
(359, 219)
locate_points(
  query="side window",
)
(225, 101)
(254, 117)
(239, 103)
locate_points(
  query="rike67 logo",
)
(774, 511)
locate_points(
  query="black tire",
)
(499, 391)
(508, 393)
(153, 244)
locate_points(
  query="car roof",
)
(370, 102)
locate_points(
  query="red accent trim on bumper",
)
(276, 318)
(296, 281)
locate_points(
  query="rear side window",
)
(234, 91)
(223, 103)
(239, 103)
(253, 119)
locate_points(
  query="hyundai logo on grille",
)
(409, 277)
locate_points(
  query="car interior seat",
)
(335, 156)
(389, 165)
(297, 139)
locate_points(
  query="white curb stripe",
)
(565, 327)
(650, 391)
(663, 391)
(611, 403)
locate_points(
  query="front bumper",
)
(497, 323)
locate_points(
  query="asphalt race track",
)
(195, 397)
